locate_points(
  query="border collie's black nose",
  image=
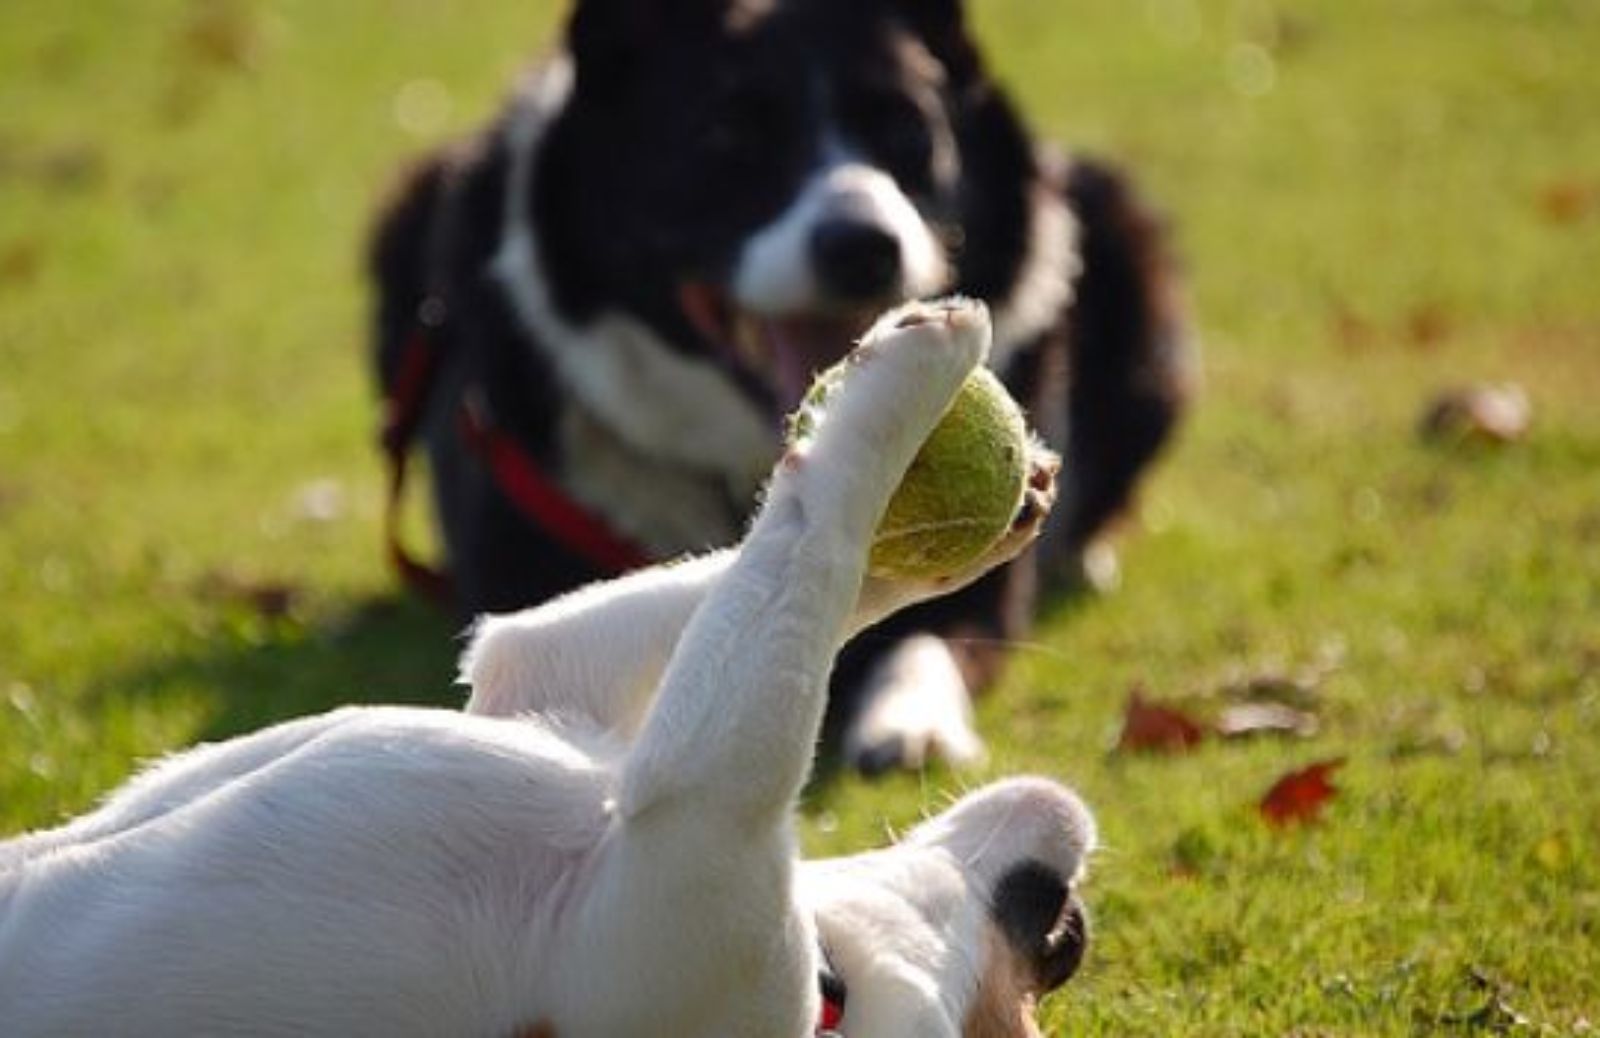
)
(855, 259)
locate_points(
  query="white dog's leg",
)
(600, 652)
(597, 653)
(733, 730)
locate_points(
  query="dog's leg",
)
(599, 653)
(914, 706)
(908, 691)
(1131, 367)
(733, 728)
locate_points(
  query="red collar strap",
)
(539, 498)
(831, 1015)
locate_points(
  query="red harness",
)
(516, 473)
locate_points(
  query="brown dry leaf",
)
(1299, 797)
(221, 35)
(1355, 333)
(1150, 727)
(20, 262)
(1566, 202)
(269, 599)
(1428, 326)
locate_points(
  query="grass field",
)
(1377, 200)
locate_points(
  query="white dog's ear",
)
(1033, 908)
(1024, 843)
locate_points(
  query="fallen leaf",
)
(1481, 413)
(1301, 688)
(221, 35)
(1355, 333)
(1428, 326)
(20, 262)
(1568, 201)
(1299, 797)
(269, 599)
(1248, 719)
(1153, 728)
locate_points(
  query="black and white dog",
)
(603, 844)
(596, 311)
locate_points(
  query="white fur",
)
(775, 273)
(616, 856)
(664, 508)
(1044, 285)
(914, 706)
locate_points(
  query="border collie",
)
(596, 311)
(614, 854)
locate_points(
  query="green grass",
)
(1376, 200)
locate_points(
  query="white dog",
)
(615, 853)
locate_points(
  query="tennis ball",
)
(963, 488)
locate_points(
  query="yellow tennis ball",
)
(963, 488)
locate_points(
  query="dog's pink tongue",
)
(803, 346)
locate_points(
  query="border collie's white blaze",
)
(615, 855)
(779, 271)
(691, 209)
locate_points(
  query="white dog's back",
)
(462, 817)
(616, 855)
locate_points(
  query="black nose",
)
(855, 260)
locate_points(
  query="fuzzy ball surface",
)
(962, 490)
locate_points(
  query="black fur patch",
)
(1035, 910)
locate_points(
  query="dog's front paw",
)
(914, 708)
(887, 395)
(881, 596)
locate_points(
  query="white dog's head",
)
(960, 927)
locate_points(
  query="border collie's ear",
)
(942, 24)
(607, 37)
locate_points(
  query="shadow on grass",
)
(259, 670)
(255, 670)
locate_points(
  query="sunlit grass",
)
(1376, 201)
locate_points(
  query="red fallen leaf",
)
(1299, 796)
(1154, 728)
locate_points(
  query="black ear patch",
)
(1034, 908)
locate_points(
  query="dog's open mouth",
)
(780, 352)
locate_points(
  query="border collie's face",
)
(761, 179)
